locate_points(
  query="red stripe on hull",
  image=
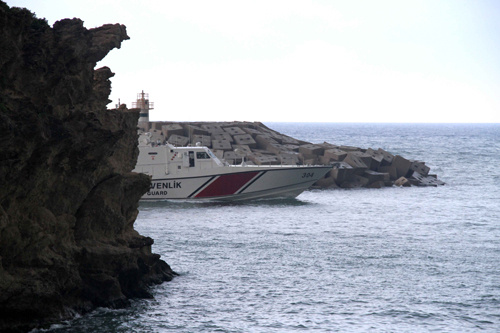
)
(227, 184)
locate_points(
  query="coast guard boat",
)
(196, 173)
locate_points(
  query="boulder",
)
(252, 131)
(232, 157)
(377, 158)
(387, 157)
(420, 167)
(222, 145)
(326, 182)
(261, 159)
(212, 128)
(204, 140)
(355, 181)
(355, 162)
(400, 167)
(222, 137)
(349, 148)
(364, 157)
(245, 139)
(234, 130)
(374, 176)
(178, 140)
(311, 150)
(276, 148)
(264, 141)
(402, 181)
(335, 154)
(341, 171)
(170, 129)
(288, 158)
(191, 130)
(286, 140)
(423, 180)
(291, 147)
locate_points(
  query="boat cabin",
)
(162, 160)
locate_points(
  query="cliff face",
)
(68, 200)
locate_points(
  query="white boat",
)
(196, 173)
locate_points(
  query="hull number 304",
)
(308, 174)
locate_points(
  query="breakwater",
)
(254, 142)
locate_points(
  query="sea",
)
(418, 259)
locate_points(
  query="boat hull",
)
(238, 184)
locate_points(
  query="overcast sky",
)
(304, 61)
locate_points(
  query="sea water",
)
(419, 259)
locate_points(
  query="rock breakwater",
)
(256, 143)
(68, 198)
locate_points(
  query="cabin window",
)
(201, 155)
(191, 159)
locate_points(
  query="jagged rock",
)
(68, 200)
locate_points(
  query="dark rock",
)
(68, 200)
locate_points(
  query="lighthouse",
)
(144, 105)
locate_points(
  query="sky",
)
(422, 61)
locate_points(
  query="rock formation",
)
(68, 199)
(258, 144)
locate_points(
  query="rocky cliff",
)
(68, 200)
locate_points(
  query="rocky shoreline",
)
(256, 143)
(68, 198)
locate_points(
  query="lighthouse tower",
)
(145, 105)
